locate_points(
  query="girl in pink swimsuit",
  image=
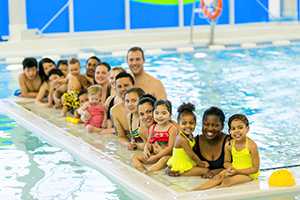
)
(93, 112)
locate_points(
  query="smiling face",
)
(161, 114)
(64, 69)
(131, 101)
(135, 62)
(101, 74)
(94, 98)
(238, 130)
(91, 67)
(112, 77)
(83, 98)
(187, 123)
(145, 111)
(123, 84)
(30, 73)
(74, 69)
(211, 127)
(48, 66)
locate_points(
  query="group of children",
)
(163, 142)
(170, 145)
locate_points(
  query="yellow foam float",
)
(72, 120)
(282, 178)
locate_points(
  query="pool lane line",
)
(280, 167)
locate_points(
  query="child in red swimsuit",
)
(161, 139)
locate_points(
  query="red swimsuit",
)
(158, 136)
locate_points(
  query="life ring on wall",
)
(212, 15)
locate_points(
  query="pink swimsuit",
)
(97, 115)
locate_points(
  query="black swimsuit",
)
(213, 164)
(110, 105)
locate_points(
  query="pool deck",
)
(119, 41)
(106, 154)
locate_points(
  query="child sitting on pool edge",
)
(93, 112)
(184, 161)
(160, 142)
(241, 156)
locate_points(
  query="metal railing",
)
(69, 5)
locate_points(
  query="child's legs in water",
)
(195, 171)
(234, 180)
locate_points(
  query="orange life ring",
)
(212, 15)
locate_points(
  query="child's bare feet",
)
(132, 146)
(90, 128)
(169, 172)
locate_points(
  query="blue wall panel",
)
(91, 15)
(40, 12)
(146, 15)
(298, 9)
(251, 11)
(200, 19)
(3, 17)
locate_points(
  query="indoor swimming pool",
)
(262, 83)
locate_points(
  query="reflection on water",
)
(33, 169)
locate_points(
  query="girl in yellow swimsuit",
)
(241, 156)
(184, 161)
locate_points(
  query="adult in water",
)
(150, 84)
(210, 144)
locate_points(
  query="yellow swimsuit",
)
(180, 160)
(242, 159)
(71, 100)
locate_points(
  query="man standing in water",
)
(151, 85)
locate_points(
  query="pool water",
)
(262, 83)
(33, 169)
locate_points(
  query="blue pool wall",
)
(99, 15)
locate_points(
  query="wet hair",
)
(29, 62)
(106, 65)
(184, 109)
(74, 61)
(94, 58)
(147, 98)
(55, 71)
(214, 111)
(82, 91)
(139, 91)
(136, 49)
(125, 75)
(240, 117)
(42, 73)
(121, 69)
(62, 62)
(165, 102)
(94, 89)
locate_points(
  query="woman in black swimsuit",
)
(210, 144)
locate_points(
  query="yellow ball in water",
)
(282, 178)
